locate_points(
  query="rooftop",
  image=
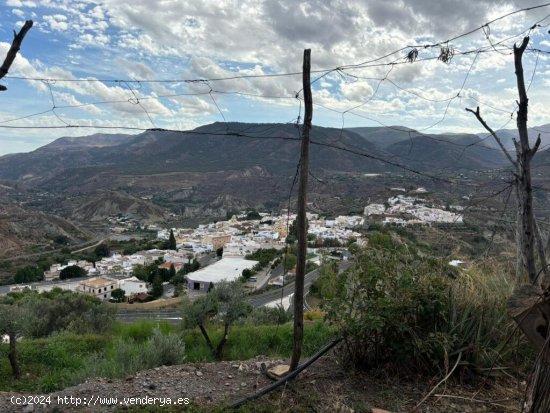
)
(229, 269)
(97, 282)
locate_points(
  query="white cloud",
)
(19, 13)
(20, 3)
(57, 22)
(212, 39)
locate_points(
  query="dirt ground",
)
(324, 387)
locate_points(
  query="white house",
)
(99, 287)
(132, 286)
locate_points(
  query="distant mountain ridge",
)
(506, 136)
(217, 168)
(235, 146)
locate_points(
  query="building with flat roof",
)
(226, 269)
(99, 287)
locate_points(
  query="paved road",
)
(257, 300)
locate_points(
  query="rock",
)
(229, 376)
(375, 410)
(29, 408)
(198, 373)
(279, 370)
(235, 366)
(340, 407)
(243, 384)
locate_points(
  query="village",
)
(224, 249)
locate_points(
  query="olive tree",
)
(12, 325)
(225, 303)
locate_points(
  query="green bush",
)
(58, 310)
(389, 307)
(397, 308)
(269, 316)
(125, 355)
(165, 349)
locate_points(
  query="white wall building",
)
(228, 269)
(99, 287)
(132, 285)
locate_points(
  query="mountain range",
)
(224, 166)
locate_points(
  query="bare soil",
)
(325, 386)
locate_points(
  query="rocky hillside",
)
(106, 203)
(214, 169)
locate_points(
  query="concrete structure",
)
(216, 240)
(227, 269)
(132, 286)
(99, 287)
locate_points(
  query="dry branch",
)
(15, 46)
(440, 383)
(493, 133)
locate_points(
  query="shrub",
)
(269, 316)
(397, 308)
(391, 307)
(313, 315)
(165, 349)
(64, 310)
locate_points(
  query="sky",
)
(179, 64)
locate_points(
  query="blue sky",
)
(100, 46)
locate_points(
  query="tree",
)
(118, 294)
(102, 250)
(172, 241)
(253, 215)
(145, 272)
(292, 233)
(529, 244)
(59, 310)
(158, 289)
(247, 273)
(72, 271)
(14, 48)
(171, 272)
(28, 274)
(290, 261)
(227, 300)
(11, 324)
(164, 274)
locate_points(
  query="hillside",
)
(382, 137)
(215, 147)
(108, 203)
(222, 167)
(326, 386)
(22, 229)
(451, 153)
(506, 136)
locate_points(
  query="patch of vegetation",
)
(72, 271)
(64, 359)
(399, 309)
(28, 274)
